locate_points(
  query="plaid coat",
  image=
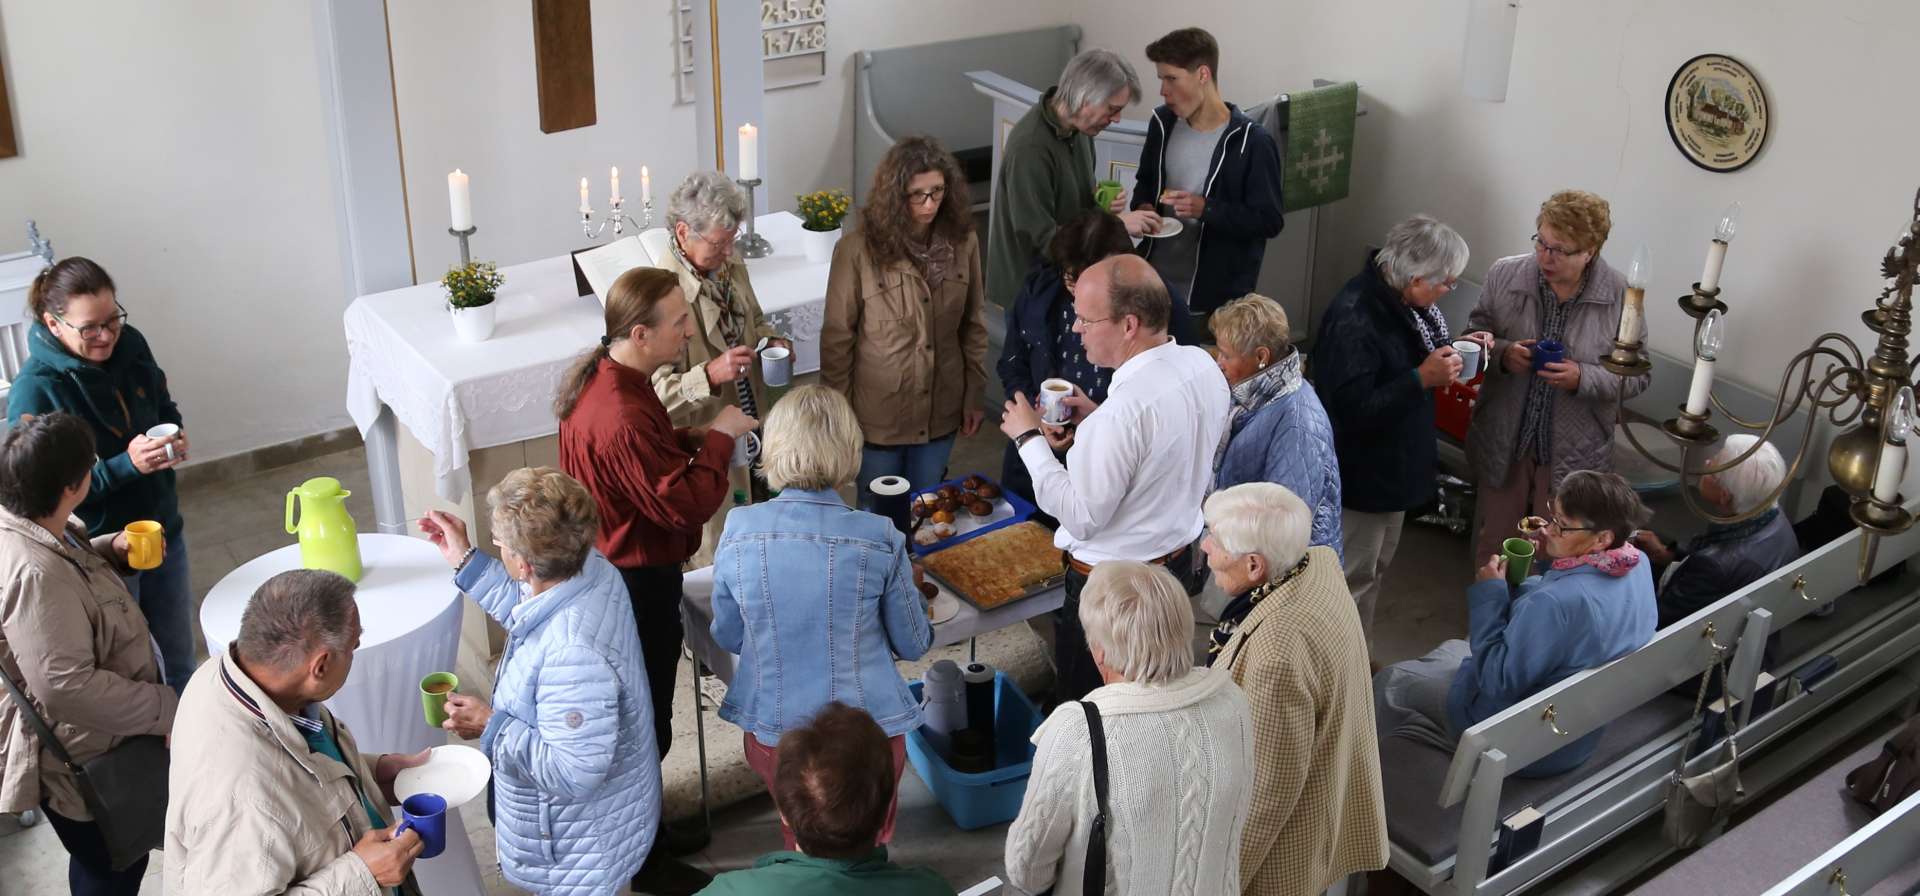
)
(1318, 814)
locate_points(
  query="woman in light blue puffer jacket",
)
(576, 774)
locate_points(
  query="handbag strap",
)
(1730, 718)
(39, 724)
(1094, 879)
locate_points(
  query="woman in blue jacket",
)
(576, 773)
(1592, 604)
(85, 359)
(816, 598)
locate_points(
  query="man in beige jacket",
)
(269, 793)
(704, 216)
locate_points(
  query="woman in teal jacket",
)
(85, 359)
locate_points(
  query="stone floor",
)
(235, 521)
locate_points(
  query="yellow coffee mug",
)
(146, 544)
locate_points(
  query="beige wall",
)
(1822, 203)
(182, 146)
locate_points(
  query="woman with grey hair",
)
(1291, 639)
(1383, 349)
(1176, 747)
(704, 217)
(576, 772)
(1728, 556)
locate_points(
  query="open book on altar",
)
(599, 267)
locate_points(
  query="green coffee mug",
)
(1519, 554)
(433, 696)
(1106, 191)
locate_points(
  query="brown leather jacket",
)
(75, 641)
(911, 361)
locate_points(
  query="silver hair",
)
(1140, 619)
(1422, 247)
(295, 613)
(1260, 518)
(1093, 76)
(1752, 480)
(707, 200)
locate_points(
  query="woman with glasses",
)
(904, 337)
(1535, 423)
(1591, 603)
(704, 217)
(85, 359)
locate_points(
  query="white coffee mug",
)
(776, 365)
(1053, 401)
(746, 448)
(165, 433)
(1470, 355)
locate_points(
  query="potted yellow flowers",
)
(820, 215)
(471, 290)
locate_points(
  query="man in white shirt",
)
(1140, 463)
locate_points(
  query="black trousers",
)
(1074, 671)
(655, 593)
(89, 870)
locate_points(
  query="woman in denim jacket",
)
(805, 572)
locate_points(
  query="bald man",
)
(1136, 466)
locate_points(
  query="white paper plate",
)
(945, 607)
(1168, 227)
(456, 772)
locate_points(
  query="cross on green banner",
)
(1318, 157)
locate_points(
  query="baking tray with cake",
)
(996, 568)
(952, 512)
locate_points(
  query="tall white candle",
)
(614, 176)
(749, 152)
(1893, 468)
(586, 206)
(460, 200)
(646, 185)
(1716, 257)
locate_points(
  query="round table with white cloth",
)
(410, 621)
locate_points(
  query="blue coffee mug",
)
(426, 815)
(1547, 351)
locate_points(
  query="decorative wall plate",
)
(1717, 112)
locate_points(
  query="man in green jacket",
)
(833, 785)
(1046, 173)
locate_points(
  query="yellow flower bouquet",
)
(823, 210)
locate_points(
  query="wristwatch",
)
(1021, 440)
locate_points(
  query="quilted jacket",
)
(1290, 442)
(576, 774)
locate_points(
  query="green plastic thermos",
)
(327, 537)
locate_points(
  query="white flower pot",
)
(474, 324)
(819, 244)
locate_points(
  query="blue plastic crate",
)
(1022, 510)
(988, 798)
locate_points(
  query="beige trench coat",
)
(75, 641)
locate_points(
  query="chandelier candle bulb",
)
(1717, 250)
(1893, 453)
(460, 200)
(749, 152)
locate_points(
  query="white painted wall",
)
(1822, 203)
(181, 145)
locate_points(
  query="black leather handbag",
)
(125, 788)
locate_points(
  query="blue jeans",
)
(924, 465)
(165, 596)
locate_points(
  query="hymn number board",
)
(793, 41)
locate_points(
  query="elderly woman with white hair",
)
(817, 598)
(1291, 639)
(1279, 432)
(1728, 556)
(1383, 349)
(1173, 742)
(704, 217)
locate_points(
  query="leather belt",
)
(1074, 563)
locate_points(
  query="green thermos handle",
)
(290, 496)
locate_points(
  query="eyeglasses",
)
(1540, 245)
(1443, 286)
(924, 197)
(1083, 321)
(94, 331)
(1553, 522)
(723, 243)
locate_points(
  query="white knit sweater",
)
(1179, 778)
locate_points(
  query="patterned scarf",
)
(1616, 562)
(933, 260)
(1240, 607)
(718, 286)
(1278, 380)
(1536, 416)
(1431, 325)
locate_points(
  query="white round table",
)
(410, 620)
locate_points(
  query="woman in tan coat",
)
(71, 638)
(1291, 639)
(904, 337)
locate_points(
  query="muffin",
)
(980, 508)
(987, 491)
(943, 518)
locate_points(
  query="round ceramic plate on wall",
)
(1717, 112)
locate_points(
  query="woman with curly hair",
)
(904, 338)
